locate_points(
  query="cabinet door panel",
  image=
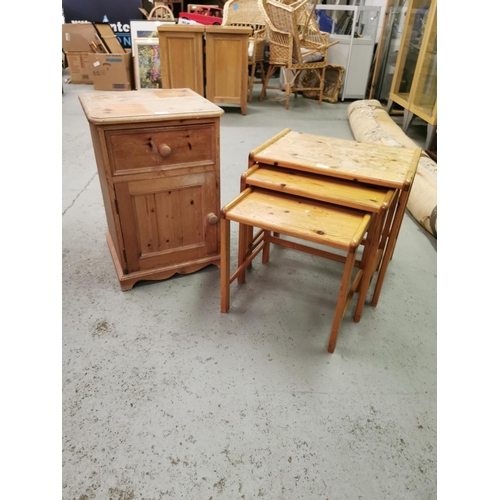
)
(165, 221)
(227, 67)
(181, 59)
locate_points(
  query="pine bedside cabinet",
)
(158, 160)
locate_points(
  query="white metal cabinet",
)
(356, 29)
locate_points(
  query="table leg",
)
(244, 243)
(372, 245)
(225, 261)
(391, 243)
(341, 301)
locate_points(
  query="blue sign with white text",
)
(117, 13)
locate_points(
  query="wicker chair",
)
(296, 44)
(161, 13)
(247, 13)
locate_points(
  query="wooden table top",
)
(376, 164)
(311, 220)
(190, 28)
(193, 28)
(325, 188)
(146, 105)
(233, 30)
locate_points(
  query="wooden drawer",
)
(150, 149)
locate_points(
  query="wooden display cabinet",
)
(211, 60)
(157, 155)
(414, 85)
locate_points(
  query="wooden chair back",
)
(160, 13)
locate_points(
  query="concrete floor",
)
(165, 397)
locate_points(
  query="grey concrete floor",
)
(166, 397)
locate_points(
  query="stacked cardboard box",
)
(95, 56)
(76, 41)
(112, 71)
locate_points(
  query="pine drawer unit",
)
(157, 155)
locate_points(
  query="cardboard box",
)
(111, 71)
(77, 37)
(79, 67)
(108, 37)
(76, 40)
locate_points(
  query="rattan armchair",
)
(296, 44)
(247, 13)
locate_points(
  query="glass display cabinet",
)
(387, 50)
(424, 91)
(414, 86)
(355, 27)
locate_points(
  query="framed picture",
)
(147, 70)
(144, 29)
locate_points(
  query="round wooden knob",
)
(164, 150)
(212, 218)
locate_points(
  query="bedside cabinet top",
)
(103, 108)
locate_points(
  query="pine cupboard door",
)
(227, 65)
(181, 57)
(169, 221)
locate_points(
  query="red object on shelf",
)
(204, 15)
